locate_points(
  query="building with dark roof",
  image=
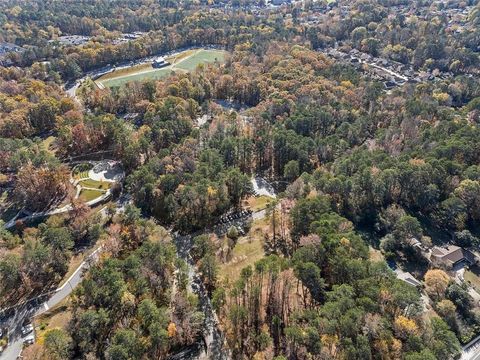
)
(452, 256)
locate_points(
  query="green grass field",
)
(126, 71)
(155, 74)
(81, 174)
(472, 276)
(248, 250)
(94, 184)
(88, 195)
(201, 56)
(81, 171)
(185, 61)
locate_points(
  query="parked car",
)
(27, 329)
(29, 340)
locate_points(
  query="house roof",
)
(414, 242)
(451, 254)
(408, 278)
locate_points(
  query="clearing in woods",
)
(183, 62)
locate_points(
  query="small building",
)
(407, 277)
(415, 243)
(160, 62)
(451, 257)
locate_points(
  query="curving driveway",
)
(212, 346)
(37, 306)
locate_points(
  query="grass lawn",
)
(176, 58)
(258, 203)
(89, 183)
(57, 317)
(185, 61)
(472, 277)
(88, 195)
(155, 74)
(247, 251)
(201, 56)
(126, 71)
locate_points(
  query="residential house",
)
(451, 257)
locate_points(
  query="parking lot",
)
(238, 219)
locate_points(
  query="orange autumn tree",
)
(38, 188)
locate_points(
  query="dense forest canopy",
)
(367, 178)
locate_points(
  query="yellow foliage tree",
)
(436, 282)
(404, 327)
(396, 348)
(446, 309)
(171, 330)
(330, 342)
(442, 98)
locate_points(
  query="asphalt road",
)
(211, 346)
(473, 353)
(472, 350)
(214, 339)
(38, 306)
(14, 320)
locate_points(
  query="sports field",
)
(183, 62)
(202, 56)
(154, 74)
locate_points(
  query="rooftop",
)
(452, 254)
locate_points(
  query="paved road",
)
(211, 348)
(472, 351)
(14, 320)
(37, 215)
(38, 306)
